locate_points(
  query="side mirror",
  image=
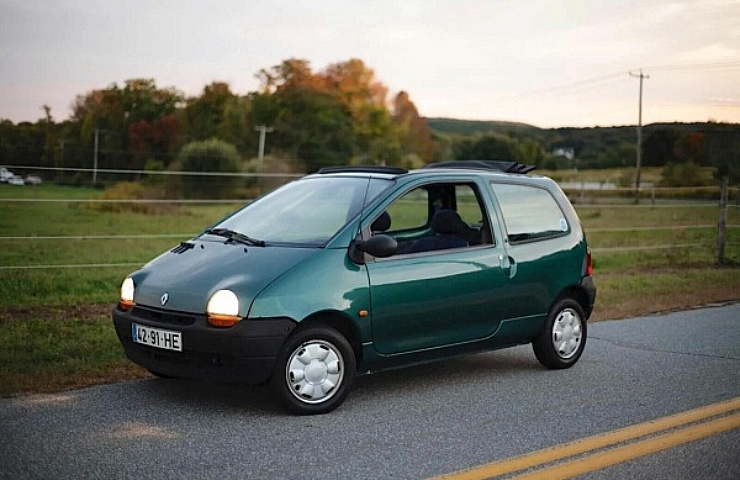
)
(381, 246)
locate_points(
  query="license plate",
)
(156, 337)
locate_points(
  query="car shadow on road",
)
(473, 369)
(214, 397)
(496, 367)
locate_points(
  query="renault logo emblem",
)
(164, 298)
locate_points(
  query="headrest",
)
(447, 221)
(382, 223)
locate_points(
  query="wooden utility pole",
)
(263, 131)
(641, 76)
(722, 224)
(95, 158)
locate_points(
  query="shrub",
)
(133, 191)
(687, 174)
(281, 169)
(209, 156)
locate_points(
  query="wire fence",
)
(600, 198)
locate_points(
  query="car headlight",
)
(223, 309)
(127, 294)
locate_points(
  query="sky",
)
(548, 63)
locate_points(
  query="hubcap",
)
(315, 371)
(567, 333)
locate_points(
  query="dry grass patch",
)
(623, 295)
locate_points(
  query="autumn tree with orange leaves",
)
(340, 115)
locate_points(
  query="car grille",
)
(163, 316)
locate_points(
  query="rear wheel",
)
(563, 339)
(314, 371)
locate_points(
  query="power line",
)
(716, 66)
(600, 80)
(565, 88)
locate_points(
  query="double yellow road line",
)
(601, 451)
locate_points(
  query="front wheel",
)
(563, 339)
(314, 371)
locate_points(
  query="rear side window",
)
(530, 213)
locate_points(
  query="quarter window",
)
(530, 213)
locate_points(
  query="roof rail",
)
(497, 165)
(364, 169)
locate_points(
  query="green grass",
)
(48, 191)
(609, 175)
(57, 350)
(55, 327)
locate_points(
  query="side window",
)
(438, 216)
(410, 212)
(530, 213)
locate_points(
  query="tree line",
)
(333, 116)
(337, 115)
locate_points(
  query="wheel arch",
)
(339, 322)
(577, 293)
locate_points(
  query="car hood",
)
(191, 273)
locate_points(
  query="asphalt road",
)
(408, 424)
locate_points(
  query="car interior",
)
(435, 217)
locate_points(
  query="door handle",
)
(508, 265)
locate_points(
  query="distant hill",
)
(475, 127)
(597, 147)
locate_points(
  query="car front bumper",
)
(244, 353)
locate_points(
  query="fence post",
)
(722, 224)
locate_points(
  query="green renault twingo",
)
(355, 270)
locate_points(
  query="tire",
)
(314, 371)
(563, 339)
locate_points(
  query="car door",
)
(442, 297)
(540, 247)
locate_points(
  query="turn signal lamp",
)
(127, 294)
(223, 309)
(589, 263)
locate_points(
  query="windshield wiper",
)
(235, 236)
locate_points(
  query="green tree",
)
(659, 148)
(312, 111)
(139, 114)
(683, 174)
(314, 127)
(531, 152)
(489, 147)
(22, 144)
(722, 149)
(219, 113)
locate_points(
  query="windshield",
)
(308, 211)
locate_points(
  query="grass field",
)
(56, 291)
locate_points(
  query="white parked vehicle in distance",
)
(16, 180)
(33, 180)
(5, 174)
